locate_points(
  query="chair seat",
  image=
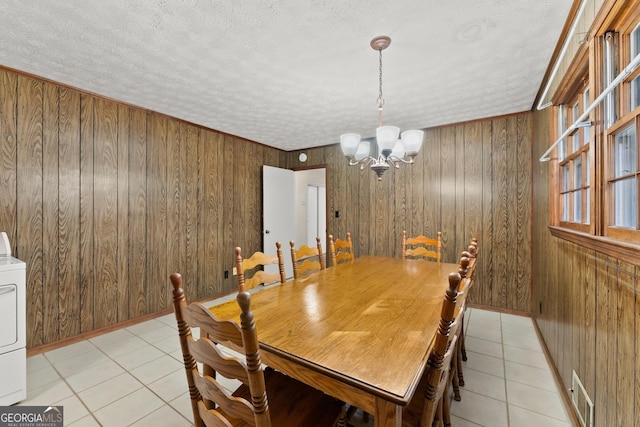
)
(312, 407)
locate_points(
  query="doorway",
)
(294, 208)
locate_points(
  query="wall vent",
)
(581, 402)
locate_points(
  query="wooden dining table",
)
(361, 331)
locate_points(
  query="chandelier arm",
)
(399, 159)
(366, 162)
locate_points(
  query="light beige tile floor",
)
(134, 377)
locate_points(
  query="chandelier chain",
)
(380, 98)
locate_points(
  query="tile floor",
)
(134, 377)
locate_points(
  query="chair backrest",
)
(203, 386)
(256, 262)
(340, 250)
(472, 251)
(422, 247)
(437, 374)
(305, 259)
(464, 270)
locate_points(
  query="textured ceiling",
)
(292, 73)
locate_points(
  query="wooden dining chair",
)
(427, 404)
(457, 377)
(341, 250)
(472, 253)
(255, 264)
(422, 247)
(305, 259)
(265, 397)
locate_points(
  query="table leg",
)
(387, 414)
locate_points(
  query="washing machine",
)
(13, 340)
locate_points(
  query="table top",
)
(370, 323)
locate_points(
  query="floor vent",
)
(581, 402)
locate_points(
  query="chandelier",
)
(392, 151)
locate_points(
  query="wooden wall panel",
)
(137, 245)
(625, 344)
(157, 237)
(176, 203)
(446, 214)
(50, 209)
(472, 170)
(432, 186)
(122, 209)
(225, 242)
(69, 213)
(485, 272)
(86, 236)
(586, 307)
(191, 168)
(500, 211)
(105, 205)
(460, 180)
(104, 200)
(8, 156)
(364, 238)
(636, 364)
(29, 199)
(521, 199)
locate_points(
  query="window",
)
(621, 174)
(634, 41)
(596, 183)
(573, 156)
(622, 183)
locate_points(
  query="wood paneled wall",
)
(587, 307)
(469, 180)
(103, 201)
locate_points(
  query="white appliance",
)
(13, 329)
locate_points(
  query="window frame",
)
(589, 64)
(573, 147)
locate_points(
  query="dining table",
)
(361, 331)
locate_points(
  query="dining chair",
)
(422, 247)
(256, 263)
(472, 251)
(457, 377)
(306, 259)
(340, 250)
(264, 397)
(427, 406)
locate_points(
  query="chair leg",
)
(446, 414)
(463, 349)
(458, 361)
(342, 419)
(438, 419)
(454, 379)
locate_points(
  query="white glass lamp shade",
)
(398, 150)
(412, 141)
(363, 150)
(349, 143)
(387, 137)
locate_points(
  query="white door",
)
(279, 218)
